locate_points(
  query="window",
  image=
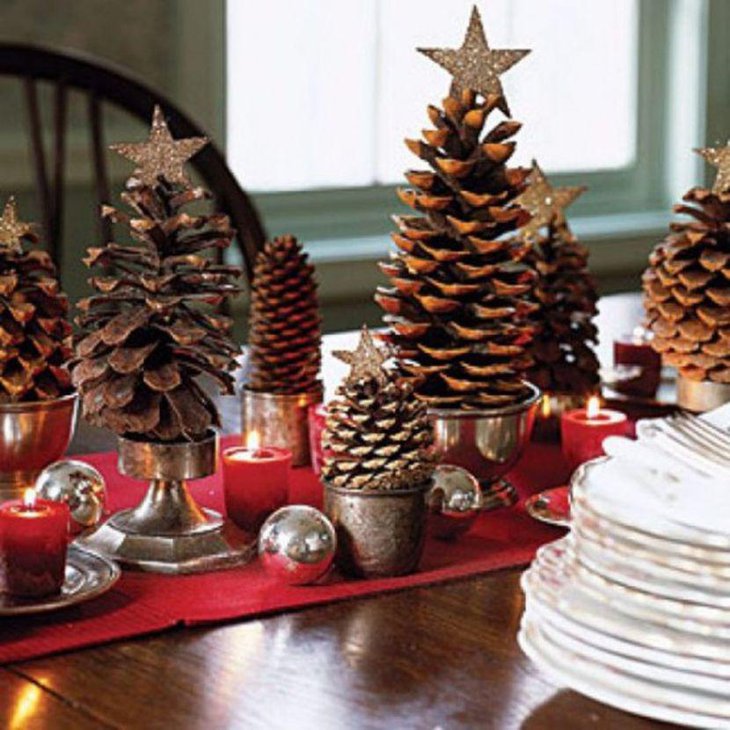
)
(337, 115)
(319, 139)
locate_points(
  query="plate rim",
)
(47, 604)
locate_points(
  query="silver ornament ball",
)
(80, 486)
(297, 544)
(454, 501)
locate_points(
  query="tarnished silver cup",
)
(700, 396)
(32, 436)
(486, 442)
(379, 532)
(167, 532)
(280, 420)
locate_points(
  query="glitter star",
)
(475, 65)
(161, 155)
(11, 229)
(366, 361)
(720, 158)
(544, 202)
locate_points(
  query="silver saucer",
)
(88, 575)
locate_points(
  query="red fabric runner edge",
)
(145, 603)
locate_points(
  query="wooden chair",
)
(102, 82)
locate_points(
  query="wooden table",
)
(436, 657)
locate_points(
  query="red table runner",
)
(143, 603)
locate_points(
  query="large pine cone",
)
(377, 437)
(285, 332)
(564, 359)
(149, 333)
(687, 289)
(35, 336)
(460, 300)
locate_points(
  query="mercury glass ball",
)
(80, 486)
(297, 544)
(454, 501)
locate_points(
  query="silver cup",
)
(700, 396)
(486, 442)
(280, 420)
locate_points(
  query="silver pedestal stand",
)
(167, 532)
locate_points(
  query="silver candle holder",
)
(280, 419)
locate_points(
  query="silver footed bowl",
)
(485, 442)
(34, 435)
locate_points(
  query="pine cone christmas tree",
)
(460, 298)
(285, 323)
(35, 336)
(147, 336)
(687, 285)
(378, 434)
(564, 359)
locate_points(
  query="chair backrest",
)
(103, 82)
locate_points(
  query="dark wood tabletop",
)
(441, 656)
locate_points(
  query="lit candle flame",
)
(593, 407)
(253, 440)
(545, 409)
(29, 497)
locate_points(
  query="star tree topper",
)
(475, 65)
(720, 158)
(544, 202)
(11, 229)
(161, 155)
(366, 361)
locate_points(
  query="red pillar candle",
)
(255, 483)
(317, 416)
(584, 429)
(33, 541)
(635, 349)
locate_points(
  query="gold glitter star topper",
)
(475, 65)
(161, 155)
(11, 229)
(544, 202)
(366, 361)
(720, 158)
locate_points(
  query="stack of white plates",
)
(633, 608)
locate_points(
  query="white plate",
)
(626, 692)
(683, 616)
(661, 565)
(708, 558)
(611, 496)
(647, 649)
(643, 575)
(660, 666)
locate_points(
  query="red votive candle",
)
(584, 429)
(317, 417)
(255, 483)
(33, 540)
(635, 349)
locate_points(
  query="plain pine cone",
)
(284, 330)
(687, 289)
